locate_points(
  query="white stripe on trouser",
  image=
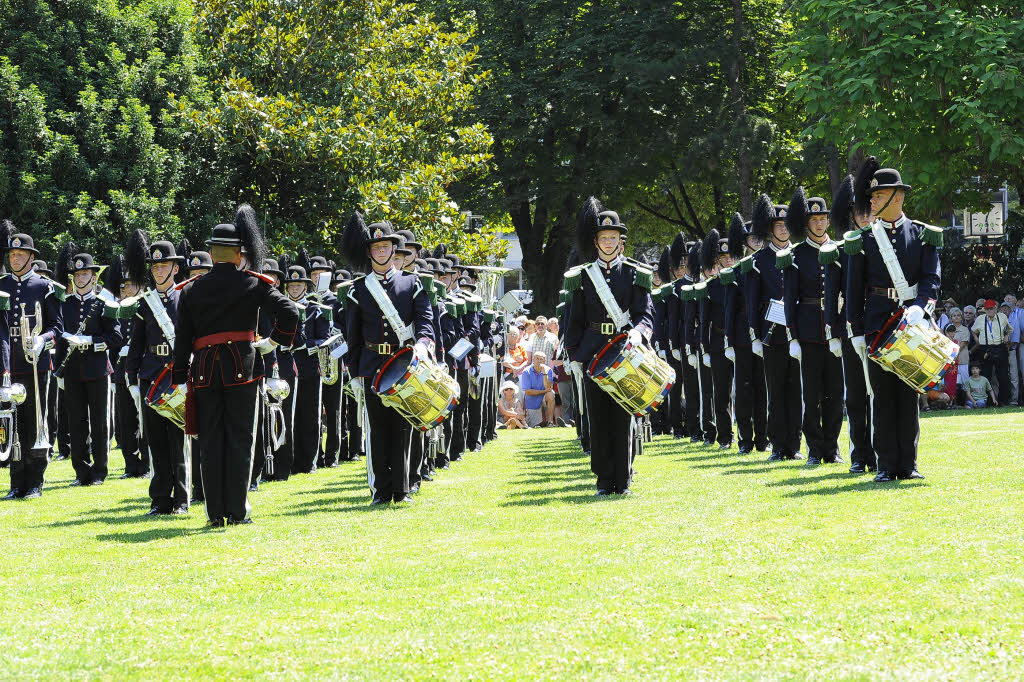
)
(186, 448)
(364, 422)
(252, 451)
(803, 397)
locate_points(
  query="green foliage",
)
(324, 107)
(971, 270)
(88, 146)
(935, 89)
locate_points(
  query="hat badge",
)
(874, 182)
(16, 242)
(606, 221)
(195, 260)
(378, 232)
(157, 253)
(782, 213)
(295, 275)
(79, 263)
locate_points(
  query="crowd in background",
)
(535, 389)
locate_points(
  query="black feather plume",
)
(862, 185)
(586, 228)
(353, 243)
(184, 250)
(574, 258)
(709, 249)
(303, 259)
(796, 216)
(62, 268)
(251, 235)
(764, 214)
(135, 253)
(737, 236)
(678, 250)
(665, 266)
(842, 207)
(284, 261)
(113, 276)
(7, 231)
(693, 262)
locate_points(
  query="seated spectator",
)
(511, 409)
(979, 390)
(538, 384)
(962, 336)
(515, 360)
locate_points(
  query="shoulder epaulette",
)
(5, 300)
(302, 312)
(727, 276)
(58, 290)
(658, 294)
(112, 310)
(686, 292)
(427, 280)
(784, 258)
(828, 254)
(259, 275)
(931, 235)
(644, 276)
(700, 291)
(573, 278)
(343, 290)
(488, 316)
(852, 243)
(747, 264)
(128, 308)
(559, 308)
(439, 288)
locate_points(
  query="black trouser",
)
(707, 401)
(169, 486)
(782, 375)
(490, 409)
(751, 400)
(858, 407)
(895, 421)
(29, 472)
(442, 458)
(331, 398)
(822, 374)
(285, 455)
(721, 381)
(674, 410)
(53, 394)
(263, 440)
(353, 425)
(611, 440)
(61, 438)
(387, 457)
(691, 389)
(995, 365)
(417, 453)
(460, 417)
(130, 437)
(306, 425)
(227, 436)
(198, 492)
(475, 417)
(88, 406)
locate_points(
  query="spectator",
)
(952, 379)
(993, 332)
(529, 331)
(538, 384)
(979, 390)
(553, 327)
(1015, 316)
(544, 341)
(515, 360)
(940, 315)
(962, 336)
(511, 409)
(980, 304)
(1016, 345)
(970, 313)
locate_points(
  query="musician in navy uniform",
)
(149, 354)
(858, 402)
(590, 327)
(451, 334)
(265, 365)
(715, 257)
(215, 351)
(352, 430)
(372, 339)
(56, 419)
(876, 294)
(661, 299)
(199, 263)
(685, 411)
(768, 337)
(27, 289)
(84, 369)
(702, 383)
(127, 420)
(330, 394)
(811, 341)
(751, 392)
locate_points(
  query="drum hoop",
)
(387, 363)
(607, 347)
(156, 384)
(891, 325)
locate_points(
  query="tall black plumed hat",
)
(737, 236)
(353, 243)
(251, 236)
(693, 261)
(184, 250)
(862, 185)
(709, 249)
(842, 206)
(665, 265)
(63, 267)
(302, 259)
(113, 276)
(136, 251)
(764, 215)
(586, 228)
(796, 217)
(678, 250)
(7, 231)
(574, 258)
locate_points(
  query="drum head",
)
(887, 331)
(607, 356)
(392, 371)
(160, 387)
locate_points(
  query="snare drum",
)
(920, 354)
(634, 376)
(417, 387)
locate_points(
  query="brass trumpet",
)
(28, 334)
(11, 395)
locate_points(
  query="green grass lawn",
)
(719, 566)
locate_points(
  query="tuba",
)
(11, 395)
(328, 354)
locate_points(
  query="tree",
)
(327, 106)
(934, 88)
(88, 144)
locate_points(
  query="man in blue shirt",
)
(538, 384)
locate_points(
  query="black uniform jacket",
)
(737, 330)
(87, 364)
(226, 300)
(28, 290)
(764, 283)
(804, 294)
(712, 317)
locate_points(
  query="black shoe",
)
(478, 448)
(858, 468)
(709, 442)
(725, 446)
(378, 500)
(625, 491)
(13, 494)
(96, 481)
(561, 422)
(776, 457)
(695, 439)
(180, 510)
(238, 522)
(795, 455)
(32, 493)
(746, 449)
(402, 498)
(60, 458)
(914, 475)
(427, 477)
(444, 466)
(884, 477)
(216, 523)
(832, 459)
(413, 489)
(126, 475)
(155, 511)
(456, 458)
(75, 483)
(253, 487)
(813, 462)
(601, 492)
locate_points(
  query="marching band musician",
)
(714, 257)
(264, 364)
(661, 297)
(751, 392)
(812, 343)
(330, 394)
(766, 320)
(27, 292)
(386, 310)
(894, 265)
(451, 334)
(56, 420)
(858, 401)
(127, 420)
(684, 414)
(85, 367)
(352, 431)
(149, 354)
(471, 322)
(609, 296)
(702, 392)
(215, 352)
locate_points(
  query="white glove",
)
(60, 383)
(706, 359)
(836, 347)
(264, 346)
(859, 344)
(730, 354)
(134, 390)
(678, 355)
(794, 350)
(38, 343)
(634, 337)
(915, 314)
(757, 347)
(692, 359)
(663, 355)
(421, 350)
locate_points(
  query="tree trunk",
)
(744, 165)
(835, 167)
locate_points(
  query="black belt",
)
(160, 350)
(820, 302)
(891, 294)
(383, 348)
(604, 328)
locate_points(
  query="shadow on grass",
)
(153, 534)
(866, 484)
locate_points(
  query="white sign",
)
(984, 224)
